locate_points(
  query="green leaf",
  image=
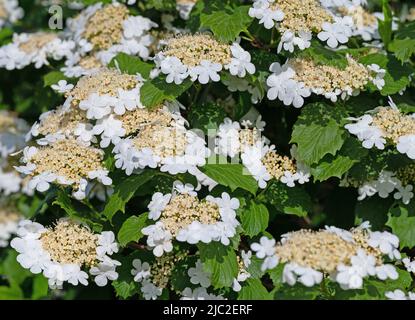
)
(12, 270)
(125, 188)
(385, 25)
(40, 287)
(226, 25)
(403, 49)
(155, 92)
(401, 219)
(288, 200)
(231, 175)
(131, 65)
(220, 261)
(318, 132)
(397, 75)
(124, 289)
(53, 77)
(14, 292)
(131, 229)
(254, 219)
(336, 166)
(296, 292)
(276, 275)
(253, 289)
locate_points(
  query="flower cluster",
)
(159, 138)
(299, 78)
(347, 257)
(103, 31)
(10, 12)
(65, 162)
(64, 251)
(298, 20)
(386, 126)
(201, 57)
(259, 157)
(182, 216)
(34, 48)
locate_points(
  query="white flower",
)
(241, 62)
(128, 100)
(141, 270)
(205, 72)
(270, 262)
(406, 145)
(396, 295)
(289, 179)
(386, 242)
(386, 271)
(198, 275)
(74, 275)
(246, 257)
(409, 265)
(404, 193)
(334, 33)
(307, 276)
(184, 188)
(110, 129)
(42, 181)
(267, 16)
(157, 204)
(107, 243)
(104, 272)
(175, 70)
(97, 106)
(150, 291)
(158, 238)
(62, 86)
(265, 247)
(198, 294)
(85, 133)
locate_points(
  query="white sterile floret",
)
(282, 86)
(336, 33)
(406, 145)
(63, 252)
(141, 270)
(267, 16)
(294, 273)
(265, 248)
(199, 276)
(386, 242)
(62, 86)
(399, 295)
(199, 294)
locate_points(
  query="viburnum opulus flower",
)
(298, 20)
(182, 216)
(9, 220)
(10, 12)
(105, 92)
(298, 78)
(158, 138)
(346, 257)
(386, 126)
(101, 32)
(202, 58)
(400, 184)
(259, 157)
(65, 252)
(65, 162)
(34, 48)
